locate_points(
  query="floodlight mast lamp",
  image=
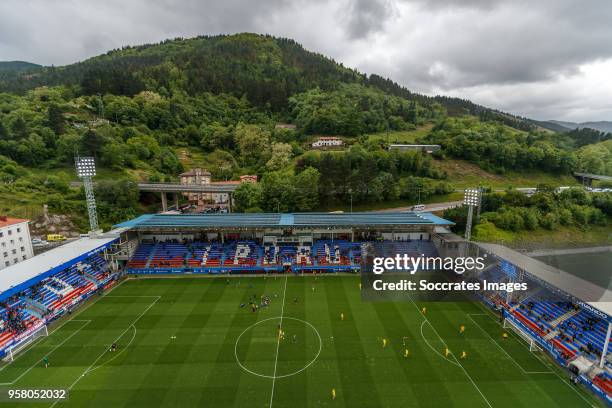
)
(471, 199)
(86, 169)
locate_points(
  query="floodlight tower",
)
(471, 199)
(86, 169)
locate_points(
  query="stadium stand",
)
(51, 297)
(559, 325)
(248, 255)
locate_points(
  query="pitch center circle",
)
(259, 374)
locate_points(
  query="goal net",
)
(533, 345)
(26, 340)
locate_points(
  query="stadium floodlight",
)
(471, 198)
(86, 169)
(85, 166)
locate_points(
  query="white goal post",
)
(26, 340)
(533, 345)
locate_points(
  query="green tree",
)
(253, 143)
(248, 197)
(92, 143)
(55, 119)
(277, 192)
(216, 136)
(281, 156)
(169, 162)
(121, 193)
(305, 186)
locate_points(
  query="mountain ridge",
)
(601, 125)
(287, 68)
(18, 66)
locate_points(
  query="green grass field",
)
(187, 342)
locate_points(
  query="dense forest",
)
(220, 98)
(547, 209)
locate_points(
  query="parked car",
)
(55, 238)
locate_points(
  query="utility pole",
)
(480, 191)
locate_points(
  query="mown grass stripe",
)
(357, 382)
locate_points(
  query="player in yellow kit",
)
(341, 316)
(384, 342)
(461, 329)
(446, 352)
(424, 310)
(463, 354)
(406, 353)
(333, 393)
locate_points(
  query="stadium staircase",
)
(90, 278)
(35, 305)
(34, 312)
(564, 317)
(551, 335)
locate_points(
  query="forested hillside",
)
(17, 66)
(148, 112)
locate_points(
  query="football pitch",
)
(191, 341)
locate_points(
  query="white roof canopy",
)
(588, 292)
(23, 271)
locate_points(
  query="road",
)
(428, 207)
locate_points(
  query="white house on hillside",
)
(328, 141)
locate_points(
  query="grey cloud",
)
(473, 48)
(368, 16)
(513, 45)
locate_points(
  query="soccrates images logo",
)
(392, 271)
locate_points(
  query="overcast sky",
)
(546, 59)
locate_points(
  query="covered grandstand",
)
(568, 316)
(36, 291)
(269, 242)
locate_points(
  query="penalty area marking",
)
(119, 353)
(454, 357)
(284, 375)
(502, 349)
(48, 354)
(433, 348)
(106, 348)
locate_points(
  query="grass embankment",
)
(402, 136)
(562, 237)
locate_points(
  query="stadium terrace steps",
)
(65, 301)
(572, 331)
(551, 335)
(5, 337)
(239, 255)
(605, 383)
(563, 318)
